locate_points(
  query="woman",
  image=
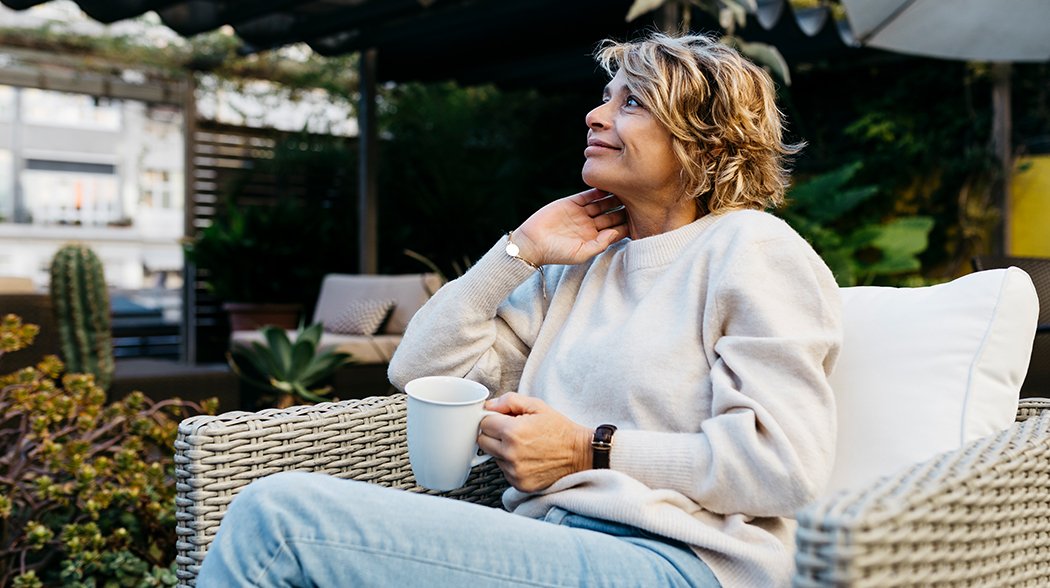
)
(665, 302)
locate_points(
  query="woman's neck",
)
(648, 219)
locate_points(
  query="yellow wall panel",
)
(1030, 207)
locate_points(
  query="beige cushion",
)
(925, 370)
(16, 285)
(364, 349)
(408, 291)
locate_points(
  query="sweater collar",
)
(657, 250)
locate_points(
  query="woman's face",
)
(628, 152)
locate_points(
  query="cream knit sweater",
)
(708, 346)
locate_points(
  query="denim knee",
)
(275, 490)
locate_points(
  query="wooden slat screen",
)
(223, 154)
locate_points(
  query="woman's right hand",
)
(573, 229)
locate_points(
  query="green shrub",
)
(87, 489)
(860, 249)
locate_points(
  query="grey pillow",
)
(361, 317)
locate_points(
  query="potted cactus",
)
(80, 301)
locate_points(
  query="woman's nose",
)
(596, 118)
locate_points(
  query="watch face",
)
(512, 250)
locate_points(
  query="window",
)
(59, 192)
(7, 196)
(46, 107)
(156, 189)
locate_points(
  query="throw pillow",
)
(361, 317)
(925, 370)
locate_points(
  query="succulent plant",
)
(288, 369)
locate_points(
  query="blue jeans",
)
(305, 530)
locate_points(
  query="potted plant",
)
(288, 370)
(264, 263)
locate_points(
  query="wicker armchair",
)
(978, 516)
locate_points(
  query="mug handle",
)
(482, 457)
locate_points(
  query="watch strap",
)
(601, 446)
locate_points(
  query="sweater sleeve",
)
(480, 325)
(772, 331)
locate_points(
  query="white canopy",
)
(973, 30)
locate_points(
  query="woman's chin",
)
(595, 181)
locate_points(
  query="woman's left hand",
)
(533, 444)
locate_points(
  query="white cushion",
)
(925, 370)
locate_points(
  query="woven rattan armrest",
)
(977, 516)
(217, 456)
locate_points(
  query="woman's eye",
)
(632, 102)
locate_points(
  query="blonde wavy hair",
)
(721, 111)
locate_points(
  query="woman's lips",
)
(598, 148)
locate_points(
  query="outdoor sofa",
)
(942, 476)
(364, 315)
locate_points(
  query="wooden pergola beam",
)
(367, 153)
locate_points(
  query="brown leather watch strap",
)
(601, 446)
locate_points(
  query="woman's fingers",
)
(587, 196)
(491, 445)
(513, 403)
(610, 219)
(603, 205)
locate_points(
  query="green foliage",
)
(263, 254)
(81, 306)
(922, 128)
(87, 489)
(857, 249)
(460, 166)
(278, 250)
(288, 369)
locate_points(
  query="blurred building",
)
(79, 168)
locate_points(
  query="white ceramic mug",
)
(444, 413)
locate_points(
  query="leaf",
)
(312, 334)
(841, 264)
(892, 265)
(900, 241)
(237, 360)
(732, 15)
(863, 237)
(640, 7)
(280, 347)
(905, 236)
(750, 6)
(265, 355)
(323, 366)
(313, 395)
(249, 358)
(813, 195)
(764, 55)
(429, 263)
(302, 355)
